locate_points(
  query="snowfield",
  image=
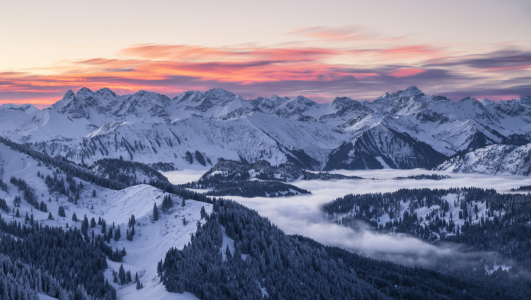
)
(151, 241)
(494, 159)
(406, 129)
(192, 132)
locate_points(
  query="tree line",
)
(280, 266)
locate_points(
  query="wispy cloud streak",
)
(360, 72)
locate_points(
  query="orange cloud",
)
(171, 69)
(198, 53)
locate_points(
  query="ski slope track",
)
(406, 129)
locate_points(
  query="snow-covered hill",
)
(231, 228)
(494, 159)
(151, 241)
(405, 129)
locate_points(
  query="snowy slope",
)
(151, 128)
(494, 159)
(152, 239)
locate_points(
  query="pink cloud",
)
(405, 72)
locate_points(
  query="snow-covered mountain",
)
(176, 242)
(493, 159)
(152, 239)
(405, 129)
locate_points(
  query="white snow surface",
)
(151, 241)
(148, 127)
(494, 159)
(381, 161)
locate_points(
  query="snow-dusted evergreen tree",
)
(103, 226)
(155, 212)
(117, 233)
(203, 212)
(121, 274)
(61, 212)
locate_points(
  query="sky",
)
(319, 49)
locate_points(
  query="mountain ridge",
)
(149, 127)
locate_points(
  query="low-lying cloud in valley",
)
(303, 215)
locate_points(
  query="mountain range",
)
(406, 129)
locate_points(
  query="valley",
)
(178, 191)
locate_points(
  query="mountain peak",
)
(69, 94)
(524, 100)
(385, 95)
(278, 98)
(219, 93)
(302, 99)
(342, 101)
(143, 93)
(411, 91)
(467, 99)
(27, 108)
(106, 91)
(83, 91)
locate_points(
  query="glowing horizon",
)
(311, 53)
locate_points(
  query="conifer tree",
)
(227, 252)
(74, 217)
(61, 212)
(155, 212)
(159, 268)
(84, 227)
(117, 233)
(128, 276)
(43, 207)
(121, 274)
